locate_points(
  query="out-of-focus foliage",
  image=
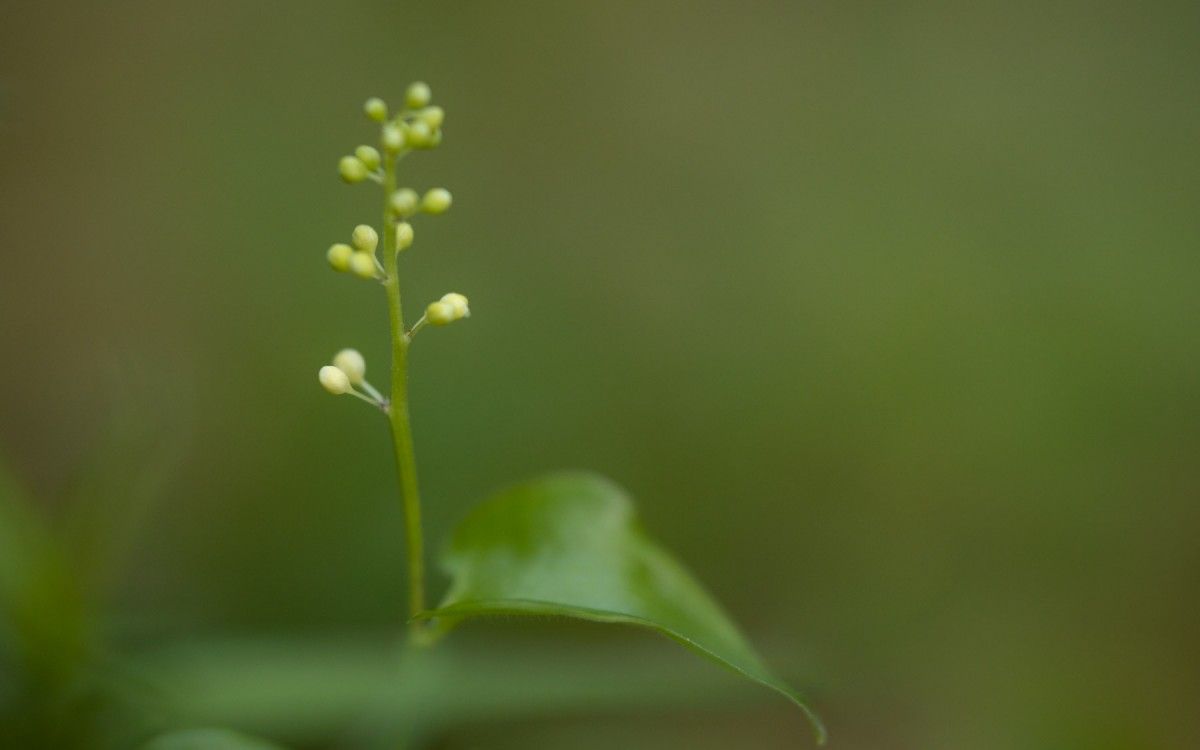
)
(50, 693)
(207, 739)
(886, 313)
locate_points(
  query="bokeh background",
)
(887, 314)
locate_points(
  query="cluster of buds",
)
(443, 312)
(358, 257)
(449, 308)
(418, 125)
(347, 374)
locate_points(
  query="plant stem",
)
(406, 462)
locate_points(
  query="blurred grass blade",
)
(23, 541)
(44, 630)
(207, 739)
(41, 607)
(570, 545)
(369, 693)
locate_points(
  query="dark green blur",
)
(886, 313)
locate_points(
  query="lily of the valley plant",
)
(567, 544)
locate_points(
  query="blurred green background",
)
(887, 314)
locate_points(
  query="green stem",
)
(406, 462)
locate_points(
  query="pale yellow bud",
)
(432, 116)
(436, 201)
(405, 202)
(404, 235)
(334, 380)
(419, 134)
(352, 169)
(351, 362)
(418, 95)
(368, 156)
(392, 137)
(449, 308)
(362, 265)
(339, 256)
(459, 303)
(440, 313)
(365, 238)
(376, 109)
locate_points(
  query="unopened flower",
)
(339, 256)
(404, 235)
(436, 201)
(440, 313)
(334, 380)
(419, 134)
(417, 95)
(376, 109)
(352, 169)
(362, 265)
(432, 116)
(393, 137)
(368, 156)
(405, 202)
(449, 308)
(351, 362)
(459, 303)
(365, 238)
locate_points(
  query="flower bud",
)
(368, 156)
(339, 256)
(365, 238)
(440, 313)
(404, 235)
(419, 134)
(449, 308)
(392, 137)
(405, 201)
(351, 362)
(432, 116)
(376, 109)
(417, 95)
(334, 380)
(352, 169)
(362, 265)
(436, 201)
(459, 303)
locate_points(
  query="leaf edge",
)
(535, 608)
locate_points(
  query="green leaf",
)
(570, 545)
(207, 739)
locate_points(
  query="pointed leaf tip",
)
(570, 545)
